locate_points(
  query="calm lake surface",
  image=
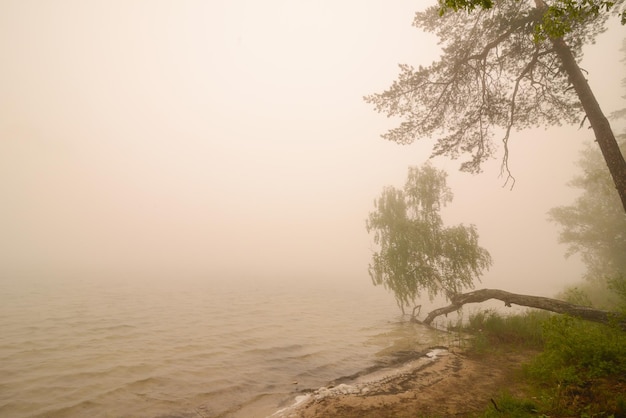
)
(124, 348)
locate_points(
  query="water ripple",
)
(132, 349)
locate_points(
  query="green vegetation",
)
(580, 368)
(416, 251)
(509, 406)
(577, 351)
(560, 17)
(593, 227)
(515, 67)
(491, 329)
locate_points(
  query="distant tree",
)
(505, 64)
(594, 226)
(416, 251)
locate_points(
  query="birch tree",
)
(416, 252)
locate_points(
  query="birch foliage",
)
(416, 253)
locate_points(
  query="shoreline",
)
(367, 382)
(440, 382)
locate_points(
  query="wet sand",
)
(446, 383)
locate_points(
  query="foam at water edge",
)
(362, 384)
(300, 400)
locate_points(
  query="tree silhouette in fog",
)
(505, 65)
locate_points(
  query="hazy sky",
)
(229, 139)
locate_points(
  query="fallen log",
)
(539, 302)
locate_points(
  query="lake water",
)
(124, 348)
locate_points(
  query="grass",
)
(494, 330)
(509, 406)
(580, 368)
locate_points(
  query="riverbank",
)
(442, 383)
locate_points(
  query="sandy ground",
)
(449, 384)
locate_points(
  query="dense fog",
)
(229, 140)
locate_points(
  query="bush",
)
(576, 351)
(581, 370)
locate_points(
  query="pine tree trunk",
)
(599, 123)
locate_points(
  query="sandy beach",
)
(440, 383)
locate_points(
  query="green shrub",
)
(576, 351)
(580, 371)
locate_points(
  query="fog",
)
(229, 140)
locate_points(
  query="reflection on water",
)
(185, 349)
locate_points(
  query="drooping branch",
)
(505, 159)
(539, 302)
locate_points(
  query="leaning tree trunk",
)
(539, 302)
(598, 121)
